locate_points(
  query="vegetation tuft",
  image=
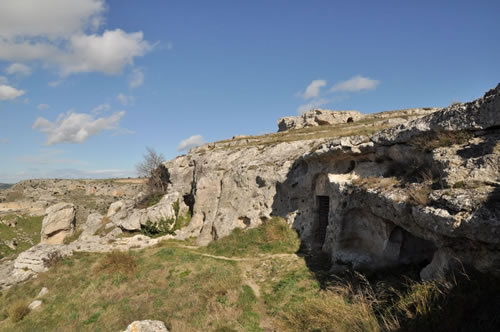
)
(117, 262)
(18, 311)
(428, 141)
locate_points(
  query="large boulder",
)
(58, 223)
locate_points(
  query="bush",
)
(431, 140)
(18, 311)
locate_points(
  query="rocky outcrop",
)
(125, 215)
(388, 199)
(318, 117)
(41, 257)
(58, 223)
(147, 326)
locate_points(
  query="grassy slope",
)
(259, 284)
(26, 232)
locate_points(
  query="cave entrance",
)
(350, 120)
(323, 211)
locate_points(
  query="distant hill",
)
(5, 185)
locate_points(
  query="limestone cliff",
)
(424, 191)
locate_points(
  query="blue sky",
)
(86, 85)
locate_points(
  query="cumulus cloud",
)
(8, 93)
(125, 100)
(49, 18)
(43, 107)
(18, 69)
(136, 78)
(356, 84)
(63, 33)
(191, 142)
(74, 127)
(313, 89)
(107, 53)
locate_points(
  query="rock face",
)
(125, 215)
(147, 326)
(370, 202)
(58, 223)
(317, 117)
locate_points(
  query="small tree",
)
(152, 160)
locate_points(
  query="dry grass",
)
(336, 309)
(116, 262)
(431, 140)
(419, 194)
(373, 182)
(18, 311)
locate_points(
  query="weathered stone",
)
(147, 326)
(317, 117)
(94, 222)
(44, 291)
(35, 305)
(58, 223)
(40, 257)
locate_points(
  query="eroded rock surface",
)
(58, 223)
(317, 117)
(147, 326)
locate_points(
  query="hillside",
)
(388, 221)
(5, 186)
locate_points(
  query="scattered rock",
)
(42, 293)
(147, 326)
(35, 305)
(58, 223)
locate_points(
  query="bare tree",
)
(152, 160)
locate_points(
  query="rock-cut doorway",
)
(322, 221)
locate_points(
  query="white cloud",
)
(43, 107)
(18, 69)
(73, 127)
(356, 84)
(101, 108)
(191, 142)
(108, 53)
(313, 89)
(312, 105)
(3, 80)
(8, 93)
(56, 32)
(49, 18)
(125, 100)
(136, 78)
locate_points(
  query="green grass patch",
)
(272, 237)
(26, 233)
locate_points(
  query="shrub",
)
(18, 311)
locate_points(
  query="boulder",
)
(58, 223)
(40, 257)
(94, 222)
(147, 326)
